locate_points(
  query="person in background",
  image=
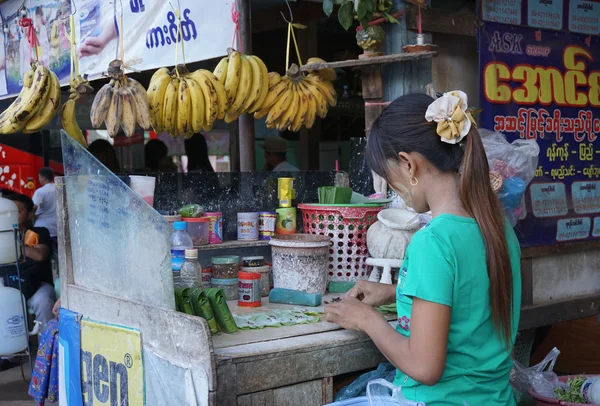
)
(196, 151)
(44, 200)
(105, 153)
(155, 152)
(36, 271)
(276, 155)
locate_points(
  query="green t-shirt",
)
(446, 263)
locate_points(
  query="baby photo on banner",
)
(34, 30)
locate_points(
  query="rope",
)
(235, 17)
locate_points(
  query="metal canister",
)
(286, 221)
(285, 191)
(247, 226)
(215, 227)
(266, 224)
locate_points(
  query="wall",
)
(456, 67)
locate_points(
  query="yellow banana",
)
(288, 116)
(28, 78)
(221, 70)
(162, 72)
(274, 78)
(184, 109)
(243, 90)
(327, 74)
(272, 97)
(156, 97)
(280, 106)
(311, 112)
(112, 121)
(211, 105)
(34, 97)
(48, 110)
(197, 102)
(230, 118)
(141, 104)
(325, 87)
(69, 121)
(220, 92)
(264, 85)
(319, 98)
(101, 104)
(256, 83)
(232, 80)
(170, 107)
(127, 111)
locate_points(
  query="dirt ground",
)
(13, 390)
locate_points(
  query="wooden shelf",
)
(377, 60)
(233, 244)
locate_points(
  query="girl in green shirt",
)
(459, 290)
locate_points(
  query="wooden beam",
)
(560, 249)
(377, 60)
(556, 312)
(246, 121)
(442, 21)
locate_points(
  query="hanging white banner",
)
(149, 35)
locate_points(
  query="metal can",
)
(286, 221)
(249, 289)
(285, 191)
(247, 226)
(215, 227)
(266, 225)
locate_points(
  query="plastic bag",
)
(516, 163)
(539, 377)
(383, 393)
(357, 388)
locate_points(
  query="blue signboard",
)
(545, 86)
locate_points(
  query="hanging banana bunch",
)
(121, 104)
(184, 103)
(79, 86)
(37, 103)
(245, 78)
(295, 100)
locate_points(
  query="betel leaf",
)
(391, 18)
(362, 9)
(346, 14)
(328, 7)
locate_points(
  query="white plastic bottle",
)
(13, 335)
(190, 271)
(180, 241)
(590, 390)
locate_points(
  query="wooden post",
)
(246, 122)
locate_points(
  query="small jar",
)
(226, 267)
(215, 228)
(229, 286)
(205, 277)
(247, 226)
(265, 277)
(251, 262)
(249, 289)
(266, 225)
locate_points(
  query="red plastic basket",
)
(544, 401)
(347, 227)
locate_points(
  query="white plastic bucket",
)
(143, 186)
(300, 262)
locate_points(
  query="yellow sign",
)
(112, 372)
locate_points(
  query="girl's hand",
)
(373, 293)
(350, 314)
(56, 308)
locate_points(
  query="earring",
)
(414, 181)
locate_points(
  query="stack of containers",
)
(225, 271)
(257, 265)
(286, 213)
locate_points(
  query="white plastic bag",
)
(539, 377)
(383, 393)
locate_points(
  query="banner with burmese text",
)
(149, 35)
(545, 86)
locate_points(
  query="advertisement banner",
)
(149, 34)
(545, 86)
(112, 371)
